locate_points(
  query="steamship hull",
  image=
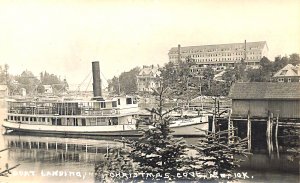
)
(179, 129)
(115, 130)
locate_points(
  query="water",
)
(60, 159)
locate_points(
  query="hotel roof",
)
(203, 48)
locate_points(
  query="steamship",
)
(111, 117)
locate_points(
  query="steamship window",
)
(114, 104)
(83, 122)
(128, 101)
(53, 121)
(103, 104)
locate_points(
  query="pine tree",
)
(218, 158)
(115, 162)
(157, 151)
(157, 155)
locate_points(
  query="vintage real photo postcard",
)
(149, 91)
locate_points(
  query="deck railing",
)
(55, 111)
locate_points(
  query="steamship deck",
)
(112, 117)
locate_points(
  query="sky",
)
(64, 37)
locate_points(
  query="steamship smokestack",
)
(97, 90)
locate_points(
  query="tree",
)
(28, 81)
(217, 156)
(127, 82)
(179, 78)
(2, 75)
(57, 84)
(157, 152)
(279, 63)
(168, 74)
(255, 75)
(40, 88)
(113, 85)
(229, 76)
(294, 59)
(115, 162)
(262, 74)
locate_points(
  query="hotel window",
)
(289, 80)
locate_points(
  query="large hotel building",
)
(221, 54)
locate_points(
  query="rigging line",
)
(88, 84)
(104, 76)
(84, 79)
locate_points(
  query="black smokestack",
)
(96, 79)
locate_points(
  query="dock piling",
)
(249, 131)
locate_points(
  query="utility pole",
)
(200, 90)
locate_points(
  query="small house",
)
(289, 73)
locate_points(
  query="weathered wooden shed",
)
(263, 98)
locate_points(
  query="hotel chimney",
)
(96, 81)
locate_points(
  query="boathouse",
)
(259, 99)
(262, 110)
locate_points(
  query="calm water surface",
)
(59, 159)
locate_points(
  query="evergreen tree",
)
(217, 156)
(115, 162)
(157, 151)
(126, 83)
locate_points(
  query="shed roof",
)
(265, 90)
